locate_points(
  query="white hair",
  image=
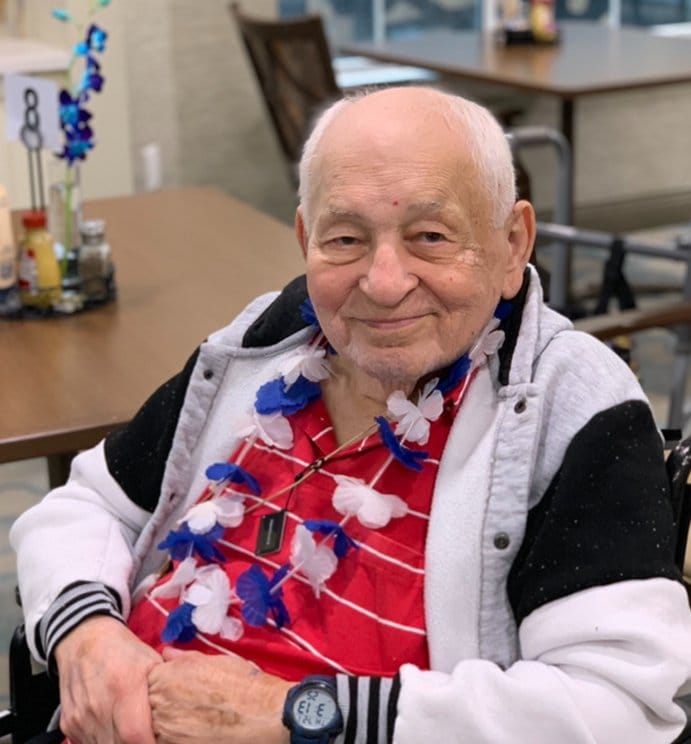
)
(478, 130)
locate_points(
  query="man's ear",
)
(520, 239)
(301, 232)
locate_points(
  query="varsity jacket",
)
(553, 608)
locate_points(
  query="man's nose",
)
(388, 277)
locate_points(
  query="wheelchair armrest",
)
(33, 697)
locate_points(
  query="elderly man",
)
(402, 501)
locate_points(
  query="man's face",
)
(403, 266)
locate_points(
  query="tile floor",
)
(23, 483)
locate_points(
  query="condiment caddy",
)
(34, 282)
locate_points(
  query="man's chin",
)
(387, 365)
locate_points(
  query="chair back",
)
(678, 471)
(292, 62)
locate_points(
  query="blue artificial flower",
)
(274, 396)
(457, 371)
(405, 456)
(73, 117)
(343, 542)
(307, 313)
(221, 471)
(61, 15)
(255, 588)
(78, 143)
(503, 309)
(179, 625)
(71, 112)
(183, 542)
(96, 38)
(91, 79)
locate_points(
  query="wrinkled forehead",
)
(417, 157)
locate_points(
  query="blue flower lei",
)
(262, 595)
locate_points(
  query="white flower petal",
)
(211, 595)
(373, 509)
(428, 389)
(316, 562)
(307, 361)
(231, 629)
(303, 545)
(397, 404)
(247, 426)
(399, 508)
(377, 512)
(216, 579)
(315, 367)
(182, 576)
(413, 420)
(230, 509)
(489, 341)
(274, 429)
(198, 594)
(374, 513)
(347, 496)
(431, 403)
(208, 618)
(417, 431)
(201, 517)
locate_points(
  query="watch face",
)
(314, 709)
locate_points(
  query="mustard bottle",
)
(39, 272)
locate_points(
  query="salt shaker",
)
(96, 269)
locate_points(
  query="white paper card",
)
(47, 109)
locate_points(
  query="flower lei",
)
(204, 592)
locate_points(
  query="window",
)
(366, 20)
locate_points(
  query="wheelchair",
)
(34, 696)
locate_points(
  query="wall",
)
(199, 101)
(633, 157)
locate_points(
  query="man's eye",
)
(344, 240)
(430, 236)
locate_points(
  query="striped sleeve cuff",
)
(369, 706)
(73, 605)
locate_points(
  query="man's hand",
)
(103, 671)
(200, 699)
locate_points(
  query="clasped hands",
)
(116, 689)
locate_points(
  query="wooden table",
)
(186, 262)
(590, 60)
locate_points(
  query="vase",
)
(64, 219)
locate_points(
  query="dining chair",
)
(292, 62)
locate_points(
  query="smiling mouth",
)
(391, 324)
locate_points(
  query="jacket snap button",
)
(208, 374)
(520, 406)
(501, 541)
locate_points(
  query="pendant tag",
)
(271, 529)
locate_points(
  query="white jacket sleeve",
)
(601, 666)
(82, 531)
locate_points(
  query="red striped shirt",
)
(369, 618)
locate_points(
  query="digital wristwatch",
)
(311, 711)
